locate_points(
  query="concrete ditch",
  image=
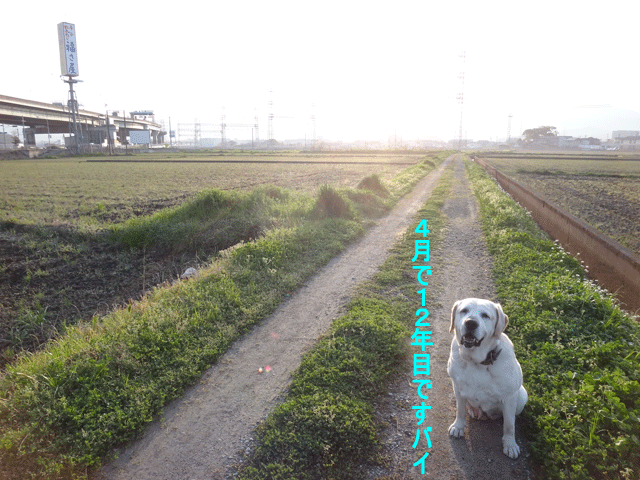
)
(613, 266)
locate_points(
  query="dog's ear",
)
(501, 322)
(453, 316)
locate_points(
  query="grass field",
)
(603, 190)
(89, 195)
(81, 236)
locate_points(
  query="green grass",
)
(579, 352)
(63, 408)
(325, 428)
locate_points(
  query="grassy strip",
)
(215, 218)
(98, 385)
(579, 352)
(326, 428)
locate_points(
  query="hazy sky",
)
(372, 69)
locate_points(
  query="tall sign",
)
(68, 49)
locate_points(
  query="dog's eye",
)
(464, 310)
(484, 315)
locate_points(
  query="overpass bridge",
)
(52, 118)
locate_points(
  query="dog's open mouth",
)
(469, 341)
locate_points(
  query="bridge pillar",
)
(30, 137)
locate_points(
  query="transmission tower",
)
(509, 129)
(313, 124)
(257, 129)
(223, 126)
(196, 133)
(460, 98)
(270, 118)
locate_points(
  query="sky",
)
(366, 70)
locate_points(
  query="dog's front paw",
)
(510, 448)
(456, 429)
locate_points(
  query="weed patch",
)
(577, 349)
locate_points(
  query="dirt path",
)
(202, 434)
(461, 268)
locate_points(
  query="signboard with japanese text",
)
(68, 49)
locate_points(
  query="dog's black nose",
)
(470, 325)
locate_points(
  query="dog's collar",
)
(491, 357)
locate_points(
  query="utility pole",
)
(72, 104)
(108, 132)
(124, 136)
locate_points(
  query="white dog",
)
(486, 377)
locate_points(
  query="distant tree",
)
(534, 134)
(592, 141)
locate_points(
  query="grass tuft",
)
(331, 204)
(374, 184)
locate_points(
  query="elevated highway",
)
(50, 118)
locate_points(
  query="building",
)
(624, 133)
(629, 142)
